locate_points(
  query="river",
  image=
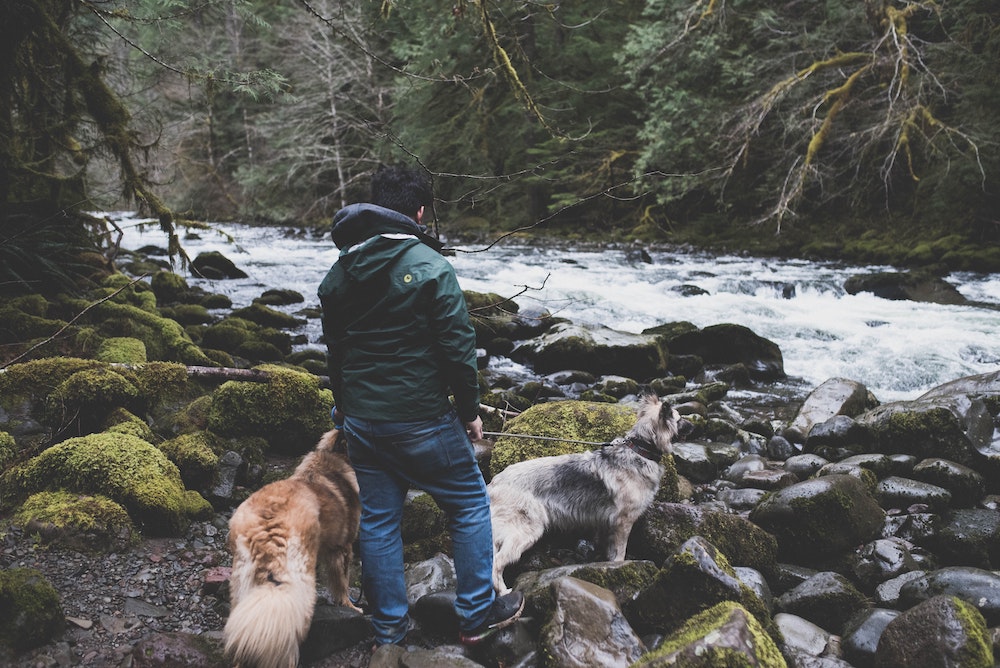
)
(898, 349)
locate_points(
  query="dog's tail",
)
(271, 613)
(332, 441)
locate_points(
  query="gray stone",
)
(862, 633)
(587, 628)
(836, 396)
(881, 560)
(968, 537)
(979, 587)
(802, 636)
(804, 466)
(896, 492)
(966, 485)
(960, 638)
(826, 599)
(693, 462)
(819, 517)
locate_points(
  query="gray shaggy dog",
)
(600, 493)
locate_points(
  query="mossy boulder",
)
(30, 611)
(122, 349)
(8, 449)
(695, 578)
(820, 518)
(77, 521)
(265, 316)
(121, 421)
(597, 350)
(290, 411)
(667, 526)
(724, 635)
(165, 339)
(125, 469)
(728, 343)
(196, 456)
(213, 264)
(955, 427)
(589, 421)
(23, 390)
(625, 579)
(87, 397)
(168, 287)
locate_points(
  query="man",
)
(399, 342)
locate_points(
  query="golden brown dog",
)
(277, 537)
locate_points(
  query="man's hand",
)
(475, 429)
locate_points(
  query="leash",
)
(546, 438)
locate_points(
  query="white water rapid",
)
(899, 349)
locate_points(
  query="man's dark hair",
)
(402, 189)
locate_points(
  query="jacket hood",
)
(372, 238)
(358, 222)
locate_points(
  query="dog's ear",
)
(666, 411)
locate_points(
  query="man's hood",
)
(357, 222)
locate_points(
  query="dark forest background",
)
(866, 129)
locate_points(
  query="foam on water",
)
(899, 349)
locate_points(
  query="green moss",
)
(695, 634)
(978, 651)
(124, 349)
(81, 522)
(187, 314)
(573, 420)
(267, 316)
(168, 286)
(165, 339)
(30, 611)
(121, 421)
(8, 449)
(290, 410)
(34, 380)
(121, 467)
(196, 456)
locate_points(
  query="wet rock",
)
(943, 631)
(804, 637)
(804, 466)
(837, 434)
(30, 610)
(727, 634)
(887, 594)
(667, 526)
(955, 427)
(598, 350)
(730, 344)
(881, 560)
(587, 628)
(741, 499)
(334, 627)
(897, 492)
(919, 286)
(880, 465)
(694, 463)
(979, 587)
(744, 465)
(768, 479)
(826, 599)
(780, 448)
(968, 537)
(862, 633)
(836, 396)
(624, 579)
(430, 576)
(819, 517)
(966, 485)
(215, 265)
(695, 578)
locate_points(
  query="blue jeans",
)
(436, 456)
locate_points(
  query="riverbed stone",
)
(695, 578)
(835, 396)
(724, 635)
(728, 343)
(968, 537)
(804, 466)
(881, 560)
(819, 517)
(827, 599)
(665, 527)
(887, 594)
(920, 286)
(624, 579)
(953, 427)
(694, 463)
(977, 586)
(941, 632)
(898, 492)
(862, 633)
(587, 628)
(30, 610)
(599, 350)
(215, 265)
(839, 433)
(803, 637)
(966, 485)
(744, 465)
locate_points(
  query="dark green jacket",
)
(396, 325)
